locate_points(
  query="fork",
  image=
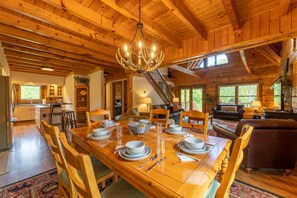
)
(151, 159)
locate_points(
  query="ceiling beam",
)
(19, 22)
(37, 71)
(183, 70)
(269, 53)
(91, 16)
(182, 12)
(45, 60)
(53, 56)
(151, 25)
(48, 17)
(39, 47)
(232, 14)
(243, 58)
(283, 7)
(28, 36)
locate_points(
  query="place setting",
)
(175, 129)
(194, 145)
(99, 134)
(135, 150)
(108, 123)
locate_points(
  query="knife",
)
(160, 160)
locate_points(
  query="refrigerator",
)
(7, 94)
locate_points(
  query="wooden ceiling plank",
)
(183, 70)
(49, 55)
(12, 20)
(36, 71)
(52, 50)
(283, 7)
(243, 58)
(91, 16)
(45, 16)
(28, 36)
(151, 25)
(11, 64)
(232, 14)
(182, 12)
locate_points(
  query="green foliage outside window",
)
(30, 92)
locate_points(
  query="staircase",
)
(158, 82)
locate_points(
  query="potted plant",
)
(82, 80)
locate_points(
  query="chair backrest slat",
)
(235, 161)
(195, 116)
(86, 185)
(157, 112)
(97, 112)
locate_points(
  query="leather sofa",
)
(231, 112)
(273, 143)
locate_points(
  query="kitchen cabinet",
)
(42, 112)
(55, 91)
(24, 112)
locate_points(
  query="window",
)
(191, 98)
(30, 92)
(238, 94)
(213, 61)
(277, 93)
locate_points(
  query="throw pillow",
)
(229, 108)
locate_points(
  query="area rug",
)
(45, 185)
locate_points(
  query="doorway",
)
(192, 98)
(119, 98)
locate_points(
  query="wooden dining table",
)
(169, 178)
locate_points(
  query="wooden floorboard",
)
(31, 155)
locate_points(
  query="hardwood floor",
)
(31, 155)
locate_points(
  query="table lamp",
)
(276, 105)
(176, 101)
(256, 104)
(147, 101)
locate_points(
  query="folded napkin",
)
(184, 158)
(153, 126)
(118, 148)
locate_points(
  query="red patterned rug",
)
(45, 185)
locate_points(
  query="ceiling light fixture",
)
(47, 68)
(139, 58)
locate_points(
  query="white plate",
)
(175, 133)
(184, 148)
(147, 153)
(99, 137)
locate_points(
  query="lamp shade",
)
(276, 104)
(147, 100)
(175, 99)
(256, 103)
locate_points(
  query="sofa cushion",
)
(228, 108)
(220, 112)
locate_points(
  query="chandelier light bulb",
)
(126, 47)
(152, 54)
(154, 48)
(140, 44)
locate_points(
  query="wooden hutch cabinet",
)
(82, 102)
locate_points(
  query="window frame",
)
(25, 99)
(237, 91)
(205, 62)
(191, 95)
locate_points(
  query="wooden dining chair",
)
(51, 134)
(102, 172)
(156, 113)
(222, 190)
(85, 184)
(196, 116)
(97, 113)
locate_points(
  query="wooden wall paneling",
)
(285, 23)
(294, 16)
(273, 22)
(283, 7)
(264, 24)
(255, 25)
(217, 39)
(224, 36)
(211, 40)
(231, 37)
(246, 30)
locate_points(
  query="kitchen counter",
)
(41, 106)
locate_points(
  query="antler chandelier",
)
(139, 58)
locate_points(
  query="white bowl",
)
(175, 127)
(99, 132)
(194, 143)
(135, 147)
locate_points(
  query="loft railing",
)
(159, 83)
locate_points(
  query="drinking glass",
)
(159, 127)
(105, 123)
(119, 133)
(161, 144)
